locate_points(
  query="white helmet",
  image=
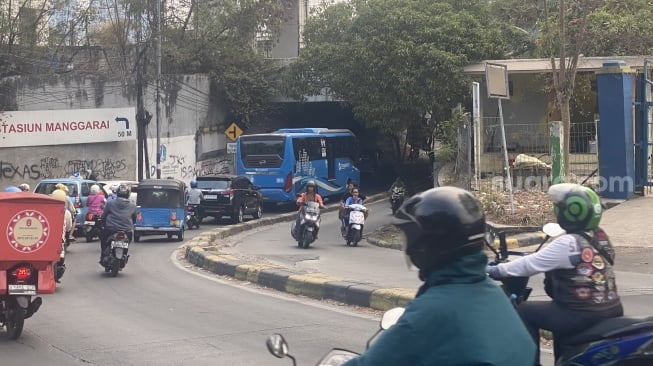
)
(95, 189)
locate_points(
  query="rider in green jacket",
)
(459, 316)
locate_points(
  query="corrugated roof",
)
(528, 66)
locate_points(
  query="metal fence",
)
(531, 139)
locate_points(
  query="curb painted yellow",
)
(250, 272)
(310, 285)
(388, 298)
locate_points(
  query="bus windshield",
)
(262, 151)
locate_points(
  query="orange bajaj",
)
(31, 229)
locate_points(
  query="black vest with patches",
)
(590, 285)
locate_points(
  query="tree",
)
(564, 36)
(219, 39)
(394, 62)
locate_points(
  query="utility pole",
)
(158, 89)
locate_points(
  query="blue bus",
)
(281, 162)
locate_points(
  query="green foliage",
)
(219, 40)
(394, 61)
(446, 132)
(620, 27)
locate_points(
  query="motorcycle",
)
(353, 231)
(309, 223)
(192, 218)
(93, 226)
(616, 341)
(396, 198)
(115, 256)
(278, 346)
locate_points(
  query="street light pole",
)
(158, 89)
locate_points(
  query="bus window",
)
(259, 152)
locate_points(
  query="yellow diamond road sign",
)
(233, 131)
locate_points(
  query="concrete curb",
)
(513, 242)
(200, 252)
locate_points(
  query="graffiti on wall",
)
(221, 165)
(52, 167)
(178, 166)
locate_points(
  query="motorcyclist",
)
(195, 195)
(119, 215)
(399, 184)
(353, 199)
(67, 227)
(310, 195)
(95, 201)
(459, 316)
(70, 206)
(112, 192)
(578, 266)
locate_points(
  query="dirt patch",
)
(532, 208)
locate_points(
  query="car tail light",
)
(89, 217)
(288, 186)
(120, 235)
(173, 217)
(22, 273)
(78, 202)
(230, 192)
(190, 208)
(139, 217)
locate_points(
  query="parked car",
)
(133, 186)
(78, 191)
(229, 195)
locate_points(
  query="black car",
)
(229, 195)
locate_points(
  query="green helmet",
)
(577, 208)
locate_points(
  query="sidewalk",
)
(202, 252)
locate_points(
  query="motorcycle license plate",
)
(90, 223)
(22, 289)
(356, 217)
(120, 244)
(211, 197)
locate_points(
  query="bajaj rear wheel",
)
(15, 322)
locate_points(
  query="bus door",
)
(328, 152)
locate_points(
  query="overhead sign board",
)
(66, 127)
(233, 131)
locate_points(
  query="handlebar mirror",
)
(277, 345)
(391, 317)
(552, 229)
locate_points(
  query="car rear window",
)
(47, 188)
(214, 184)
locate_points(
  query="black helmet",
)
(441, 225)
(123, 191)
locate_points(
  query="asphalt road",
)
(157, 313)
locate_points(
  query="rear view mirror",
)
(552, 229)
(277, 345)
(391, 317)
